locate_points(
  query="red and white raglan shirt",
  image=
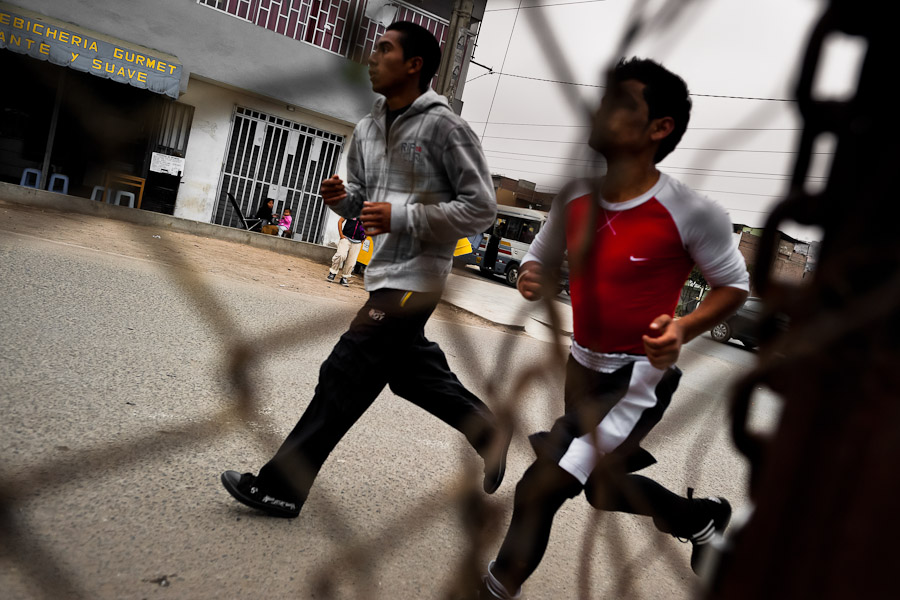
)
(628, 262)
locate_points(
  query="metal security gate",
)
(273, 158)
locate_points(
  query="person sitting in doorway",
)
(264, 214)
(285, 223)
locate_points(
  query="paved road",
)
(112, 369)
(492, 299)
(473, 272)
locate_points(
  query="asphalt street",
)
(116, 396)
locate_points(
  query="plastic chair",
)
(98, 192)
(26, 178)
(120, 194)
(64, 179)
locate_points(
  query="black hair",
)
(415, 40)
(666, 95)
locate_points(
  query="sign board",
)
(163, 163)
(67, 45)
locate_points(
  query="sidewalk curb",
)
(16, 194)
(42, 199)
(511, 328)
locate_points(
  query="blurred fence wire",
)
(842, 334)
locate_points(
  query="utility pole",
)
(452, 55)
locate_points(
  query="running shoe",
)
(246, 491)
(719, 516)
(495, 460)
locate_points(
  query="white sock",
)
(496, 588)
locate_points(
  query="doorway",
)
(272, 158)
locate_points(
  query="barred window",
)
(338, 26)
(242, 9)
(369, 31)
(217, 4)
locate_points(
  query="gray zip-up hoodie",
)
(432, 170)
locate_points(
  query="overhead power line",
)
(739, 193)
(518, 139)
(473, 79)
(502, 64)
(544, 5)
(689, 128)
(553, 190)
(503, 169)
(588, 162)
(591, 85)
(677, 170)
(498, 137)
(788, 175)
(594, 85)
(753, 151)
(536, 172)
(762, 212)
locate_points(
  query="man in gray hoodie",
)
(418, 180)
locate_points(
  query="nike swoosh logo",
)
(633, 259)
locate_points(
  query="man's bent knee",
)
(546, 482)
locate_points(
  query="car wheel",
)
(512, 274)
(721, 332)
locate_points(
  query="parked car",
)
(742, 325)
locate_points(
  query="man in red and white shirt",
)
(632, 238)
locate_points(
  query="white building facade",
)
(183, 102)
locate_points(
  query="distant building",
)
(521, 193)
(794, 260)
(180, 102)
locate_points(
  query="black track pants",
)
(385, 345)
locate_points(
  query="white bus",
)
(504, 245)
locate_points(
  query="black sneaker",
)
(244, 489)
(720, 515)
(330, 277)
(495, 462)
(344, 282)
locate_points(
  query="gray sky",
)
(739, 58)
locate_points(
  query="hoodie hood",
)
(428, 99)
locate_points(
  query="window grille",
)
(369, 31)
(243, 9)
(271, 157)
(338, 26)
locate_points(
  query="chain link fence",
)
(827, 321)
